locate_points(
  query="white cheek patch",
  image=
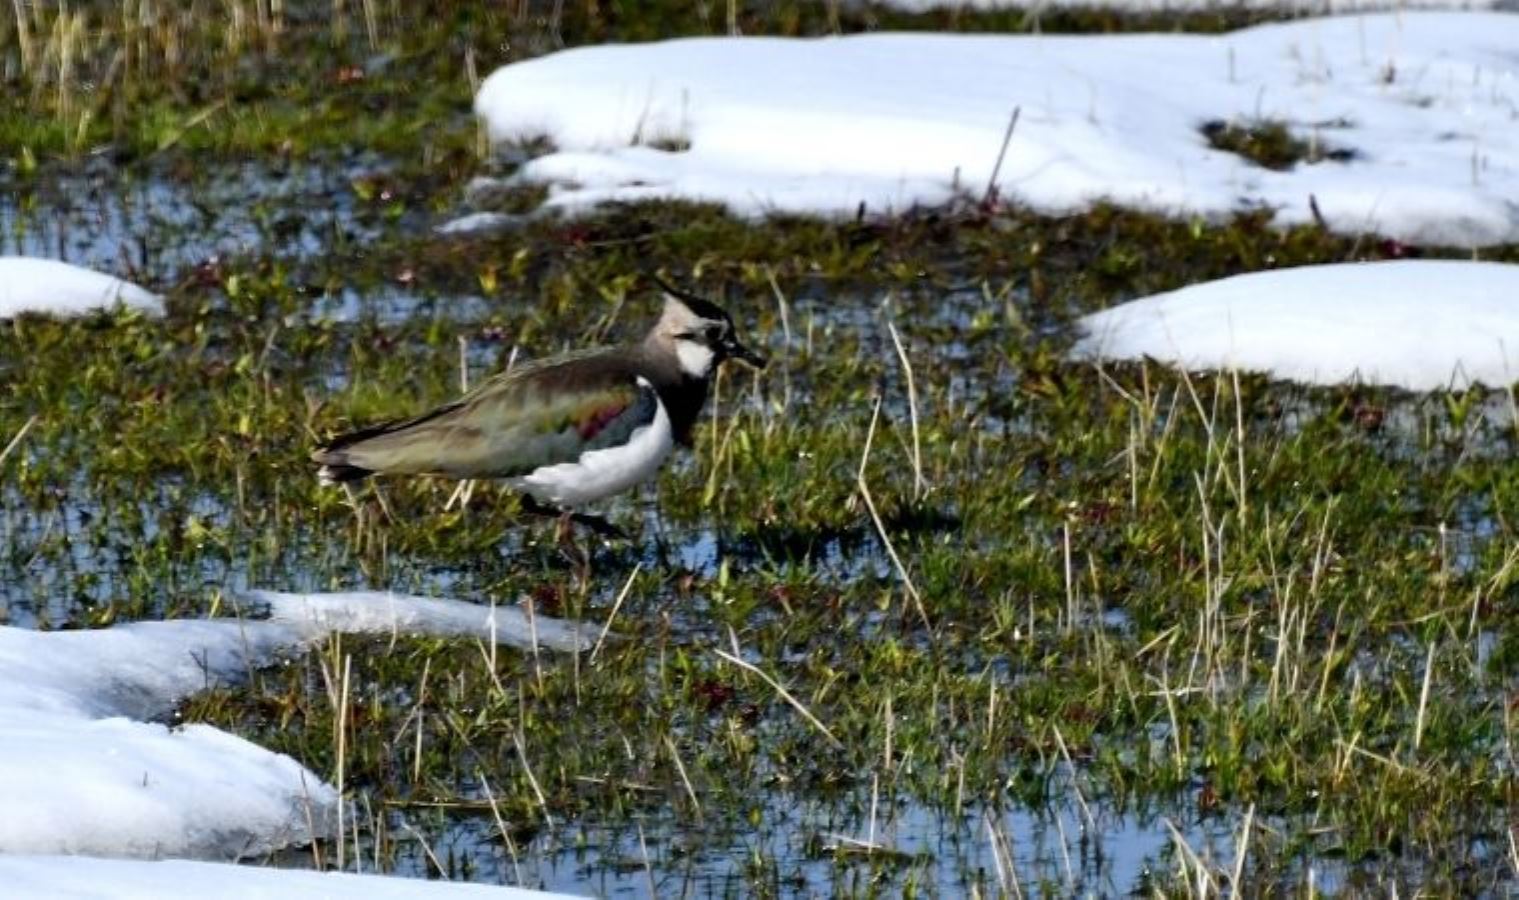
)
(695, 359)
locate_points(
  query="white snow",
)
(80, 772)
(381, 612)
(83, 878)
(1428, 102)
(474, 223)
(31, 285)
(1294, 7)
(1416, 324)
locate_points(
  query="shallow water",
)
(801, 845)
(70, 563)
(161, 222)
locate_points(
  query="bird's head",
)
(700, 333)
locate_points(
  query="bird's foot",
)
(596, 524)
(600, 526)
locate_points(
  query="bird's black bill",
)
(734, 350)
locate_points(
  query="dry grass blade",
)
(616, 605)
(1189, 860)
(543, 803)
(875, 517)
(1513, 851)
(342, 746)
(1007, 139)
(1065, 754)
(15, 440)
(506, 834)
(1002, 859)
(461, 495)
(23, 35)
(1389, 762)
(316, 845)
(1240, 851)
(426, 849)
(919, 483)
(785, 367)
(685, 779)
(1429, 670)
(784, 694)
(532, 628)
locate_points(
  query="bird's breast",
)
(685, 403)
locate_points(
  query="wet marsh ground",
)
(925, 611)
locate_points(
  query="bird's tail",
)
(336, 466)
(338, 473)
(400, 448)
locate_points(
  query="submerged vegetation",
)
(926, 610)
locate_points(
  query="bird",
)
(567, 431)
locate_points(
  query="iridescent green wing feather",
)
(537, 415)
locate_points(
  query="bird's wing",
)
(539, 415)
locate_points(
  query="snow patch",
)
(82, 773)
(1293, 7)
(1427, 103)
(1416, 324)
(478, 223)
(381, 612)
(31, 285)
(82, 878)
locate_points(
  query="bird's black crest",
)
(700, 305)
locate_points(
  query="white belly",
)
(601, 473)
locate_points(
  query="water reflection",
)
(157, 222)
(796, 844)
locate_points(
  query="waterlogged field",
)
(926, 610)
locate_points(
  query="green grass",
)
(1256, 571)
(238, 79)
(1269, 144)
(1145, 595)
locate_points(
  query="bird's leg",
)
(564, 534)
(574, 551)
(597, 524)
(532, 507)
(661, 546)
(600, 525)
(379, 495)
(358, 515)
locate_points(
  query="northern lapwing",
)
(566, 431)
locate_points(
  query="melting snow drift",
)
(1295, 7)
(29, 285)
(1423, 107)
(78, 878)
(1416, 324)
(82, 773)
